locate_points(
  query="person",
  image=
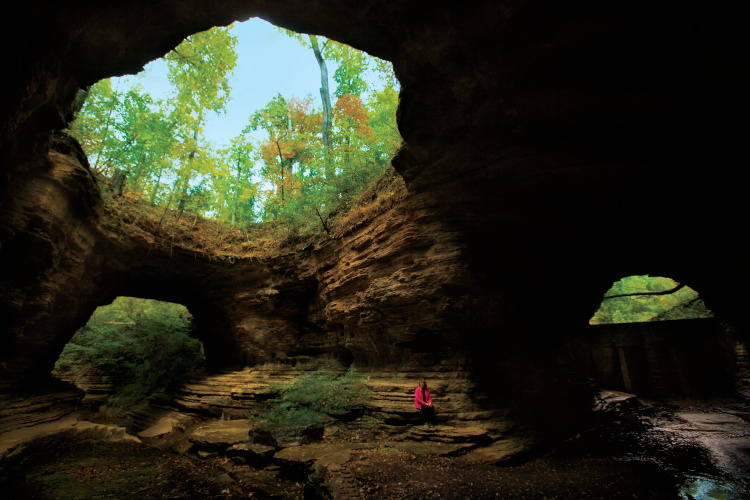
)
(423, 403)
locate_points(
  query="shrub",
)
(318, 396)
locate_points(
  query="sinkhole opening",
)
(243, 128)
(129, 350)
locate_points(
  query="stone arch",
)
(130, 348)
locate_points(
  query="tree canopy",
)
(641, 298)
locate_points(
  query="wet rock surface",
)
(703, 444)
(709, 442)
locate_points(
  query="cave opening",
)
(243, 126)
(130, 349)
(656, 337)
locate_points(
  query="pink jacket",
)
(419, 400)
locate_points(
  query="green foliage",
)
(137, 345)
(637, 299)
(237, 195)
(349, 73)
(317, 396)
(199, 70)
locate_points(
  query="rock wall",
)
(48, 235)
(551, 148)
(690, 358)
(391, 291)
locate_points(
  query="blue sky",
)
(268, 63)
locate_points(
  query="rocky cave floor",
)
(633, 449)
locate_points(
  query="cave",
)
(539, 138)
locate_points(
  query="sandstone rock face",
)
(550, 150)
(48, 238)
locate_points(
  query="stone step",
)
(449, 434)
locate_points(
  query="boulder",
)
(220, 435)
(255, 454)
(163, 426)
(284, 435)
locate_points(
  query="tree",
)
(352, 153)
(311, 162)
(353, 136)
(136, 345)
(325, 97)
(352, 65)
(125, 133)
(234, 182)
(382, 106)
(291, 126)
(94, 126)
(132, 125)
(199, 68)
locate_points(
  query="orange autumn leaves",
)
(292, 127)
(350, 113)
(293, 148)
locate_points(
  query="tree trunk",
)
(189, 169)
(325, 97)
(282, 165)
(236, 192)
(138, 171)
(188, 175)
(95, 168)
(156, 186)
(164, 214)
(118, 181)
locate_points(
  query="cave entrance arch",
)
(655, 337)
(130, 349)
